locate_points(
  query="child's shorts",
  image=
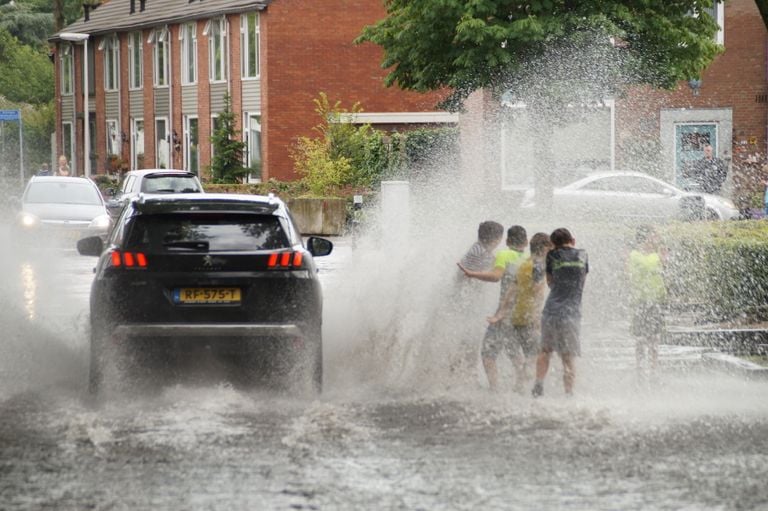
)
(647, 320)
(513, 339)
(561, 334)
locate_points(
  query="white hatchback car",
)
(632, 195)
(62, 208)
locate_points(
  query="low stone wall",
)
(319, 216)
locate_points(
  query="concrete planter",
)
(319, 216)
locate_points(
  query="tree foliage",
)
(26, 73)
(466, 45)
(227, 164)
(344, 155)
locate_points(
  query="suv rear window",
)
(206, 232)
(170, 184)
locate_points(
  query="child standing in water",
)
(497, 335)
(519, 315)
(479, 258)
(566, 271)
(648, 296)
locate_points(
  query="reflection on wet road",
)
(697, 440)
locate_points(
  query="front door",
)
(690, 140)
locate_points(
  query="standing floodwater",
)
(374, 440)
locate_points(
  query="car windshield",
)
(204, 231)
(170, 184)
(59, 192)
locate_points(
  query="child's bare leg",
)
(492, 372)
(542, 365)
(569, 372)
(521, 377)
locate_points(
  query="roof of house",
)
(115, 15)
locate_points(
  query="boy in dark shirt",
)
(566, 270)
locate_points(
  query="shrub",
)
(721, 265)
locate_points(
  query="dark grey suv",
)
(225, 274)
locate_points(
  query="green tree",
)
(26, 74)
(28, 24)
(432, 44)
(555, 56)
(227, 165)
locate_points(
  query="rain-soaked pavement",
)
(695, 440)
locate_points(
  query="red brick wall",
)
(149, 102)
(125, 105)
(100, 100)
(77, 169)
(176, 161)
(203, 100)
(734, 80)
(236, 84)
(307, 48)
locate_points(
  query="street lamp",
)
(77, 37)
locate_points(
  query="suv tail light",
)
(285, 260)
(128, 259)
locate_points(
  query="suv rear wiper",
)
(190, 245)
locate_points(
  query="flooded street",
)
(696, 440)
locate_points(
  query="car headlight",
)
(100, 222)
(28, 220)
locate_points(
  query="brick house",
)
(158, 72)
(652, 130)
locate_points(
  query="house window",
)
(111, 62)
(137, 147)
(214, 127)
(717, 11)
(162, 143)
(249, 45)
(160, 57)
(67, 142)
(113, 137)
(188, 36)
(67, 77)
(216, 30)
(191, 145)
(135, 65)
(252, 131)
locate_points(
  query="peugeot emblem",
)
(208, 261)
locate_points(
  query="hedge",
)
(722, 266)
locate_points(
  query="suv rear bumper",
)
(208, 330)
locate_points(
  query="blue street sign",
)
(10, 115)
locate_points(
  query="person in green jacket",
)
(648, 297)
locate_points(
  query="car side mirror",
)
(90, 246)
(319, 246)
(110, 192)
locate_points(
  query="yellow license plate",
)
(195, 295)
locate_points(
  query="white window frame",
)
(188, 38)
(216, 30)
(159, 163)
(113, 137)
(111, 46)
(135, 82)
(248, 120)
(249, 37)
(159, 40)
(67, 70)
(69, 152)
(135, 141)
(187, 143)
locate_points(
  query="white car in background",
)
(632, 195)
(55, 208)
